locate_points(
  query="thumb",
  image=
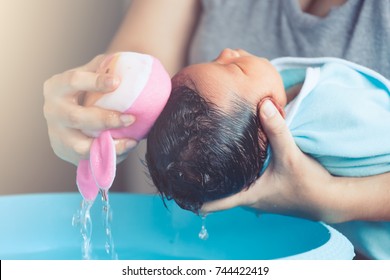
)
(276, 129)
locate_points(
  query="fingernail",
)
(268, 109)
(127, 119)
(111, 82)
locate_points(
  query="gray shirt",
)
(358, 31)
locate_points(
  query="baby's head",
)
(208, 142)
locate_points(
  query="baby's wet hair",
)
(197, 153)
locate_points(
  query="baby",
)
(208, 142)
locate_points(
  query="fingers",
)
(68, 121)
(275, 127)
(74, 81)
(123, 146)
(72, 145)
(90, 118)
(67, 124)
(69, 145)
(83, 78)
(234, 200)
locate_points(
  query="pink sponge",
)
(143, 92)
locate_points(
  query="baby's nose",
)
(227, 54)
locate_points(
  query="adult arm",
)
(295, 184)
(159, 28)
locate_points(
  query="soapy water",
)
(203, 234)
(82, 219)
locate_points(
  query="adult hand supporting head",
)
(66, 118)
(293, 184)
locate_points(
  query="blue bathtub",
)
(39, 226)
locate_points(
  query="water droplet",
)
(107, 247)
(104, 194)
(76, 219)
(203, 234)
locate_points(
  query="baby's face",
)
(233, 71)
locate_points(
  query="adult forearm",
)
(365, 198)
(160, 28)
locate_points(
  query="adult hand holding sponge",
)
(143, 92)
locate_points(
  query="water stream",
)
(82, 219)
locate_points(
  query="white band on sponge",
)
(134, 69)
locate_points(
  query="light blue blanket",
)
(341, 117)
